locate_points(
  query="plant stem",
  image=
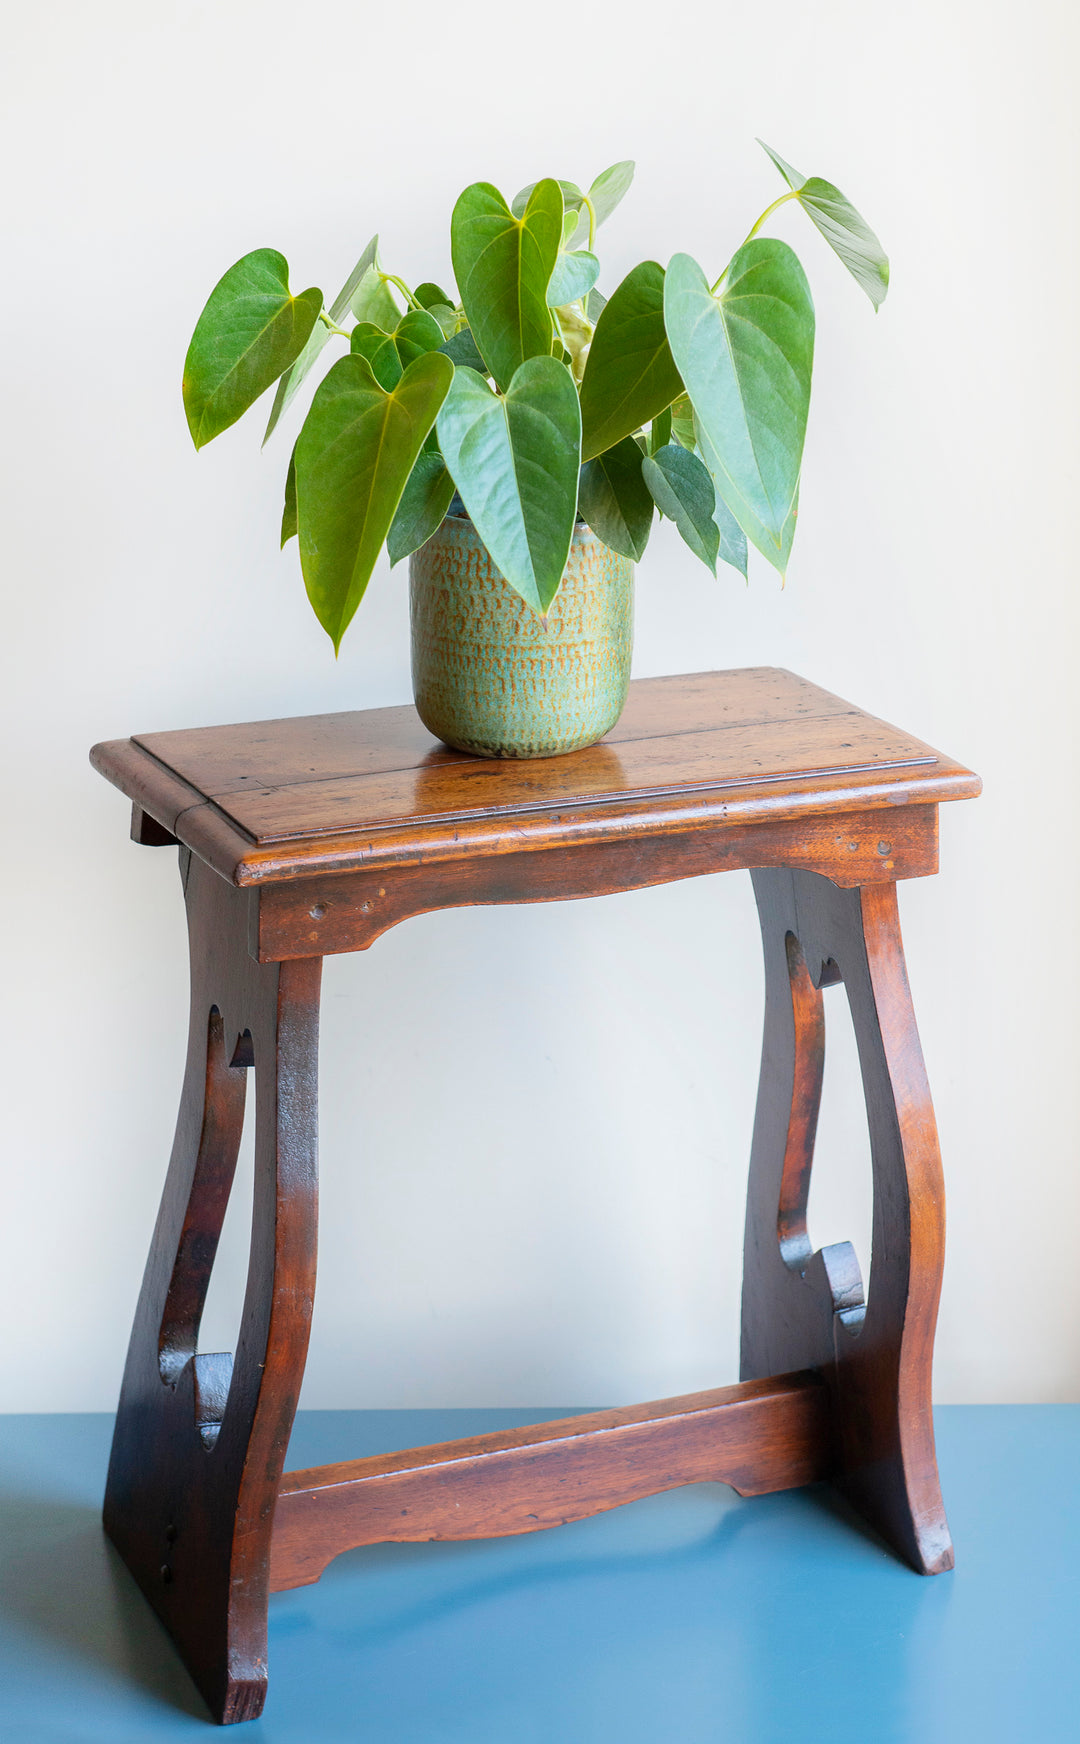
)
(769, 210)
(392, 279)
(326, 321)
(592, 219)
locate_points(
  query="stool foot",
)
(200, 1439)
(806, 1309)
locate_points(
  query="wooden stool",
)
(303, 837)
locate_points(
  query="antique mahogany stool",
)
(303, 837)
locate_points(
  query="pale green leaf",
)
(682, 490)
(605, 194)
(615, 500)
(844, 229)
(630, 374)
(373, 301)
(354, 455)
(503, 267)
(746, 358)
(291, 381)
(733, 539)
(250, 330)
(515, 460)
(571, 193)
(573, 278)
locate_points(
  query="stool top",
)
(274, 800)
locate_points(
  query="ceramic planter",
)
(491, 677)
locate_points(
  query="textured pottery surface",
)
(491, 677)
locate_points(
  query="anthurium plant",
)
(528, 394)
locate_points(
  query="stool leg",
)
(200, 1439)
(805, 1309)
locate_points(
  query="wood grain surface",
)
(277, 800)
(759, 1437)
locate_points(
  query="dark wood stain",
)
(305, 837)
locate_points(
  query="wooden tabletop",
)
(276, 800)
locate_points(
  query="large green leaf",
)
(290, 383)
(615, 500)
(746, 357)
(503, 267)
(354, 456)
(845, 230)
(608, 189)
(515, 461)
(251, 329)
(422, 508)
(573, 278)
(682, 490)
(390, 353)
(630, 375)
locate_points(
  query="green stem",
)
(769, 210)
(592, 219)
(392, 279)
(326, 321)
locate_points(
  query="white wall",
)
(536, 1121)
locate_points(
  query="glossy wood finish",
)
(200, 1440)
(808, 1309)
(277, 801)
(300, 838)
(763, 1436)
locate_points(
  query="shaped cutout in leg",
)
(200, 1440)
(803, 1308)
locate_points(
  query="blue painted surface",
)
(691, 1618)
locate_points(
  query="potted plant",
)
(515, 437)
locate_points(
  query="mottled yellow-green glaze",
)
(491, 677)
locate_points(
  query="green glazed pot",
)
(491, 677)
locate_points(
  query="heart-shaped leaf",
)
(682, 490)
(615, 500)
(291, 381)
(845, 230)
(354, 456)
(390, 353)
(515, 461)
(682, 424)
(288, 513)
(251, 329)
(573, 278)
(630, 374)
(422, 508)
(428, 294)
(503, 267)
(746, 357)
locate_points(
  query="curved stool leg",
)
(200, 1440)
(805, 1309)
